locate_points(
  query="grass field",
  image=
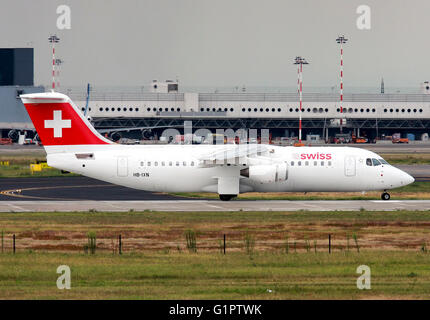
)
(19, 166)
(399, 158)
(395, 275)
(269, 255)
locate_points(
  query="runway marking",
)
(113, 205)
(17, 193)
(190, 205)
(19, 208)
(387, 201)
(214, 206)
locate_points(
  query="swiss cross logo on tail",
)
(58, 121)
(58, 124)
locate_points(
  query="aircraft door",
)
(122, 166)
(350, 166)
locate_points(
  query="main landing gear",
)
(227, 197)
(385, 196)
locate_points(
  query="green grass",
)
(417, 186)
(23, 171)
(419, 158)
(152, 268)
(158, 218)
(19, 167)
(214, 276)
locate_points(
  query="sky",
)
(223, 42)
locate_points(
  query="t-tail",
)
(59, 123)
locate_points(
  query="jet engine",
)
(266, 173)
(14, 135)
(115, 136)
(147, 134)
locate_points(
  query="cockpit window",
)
(376, 162)
(383, 161)
(369, 162)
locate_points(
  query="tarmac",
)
(70, 194)
(213, 205)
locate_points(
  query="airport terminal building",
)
(371, 115)
(16, 78)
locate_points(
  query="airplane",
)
(72, 144)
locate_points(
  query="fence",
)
(194, 242)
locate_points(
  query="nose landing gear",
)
(385, 196)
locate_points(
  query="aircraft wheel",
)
(226, 197)
(385, 196)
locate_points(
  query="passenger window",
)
(322, 163)
(376, 162)
(170, 163)
(149, 163)
(142, 163)
(292, 163)
(177, 163)
(315, 163)
(192, 163)
(155, 163)
(369, 162)
(306, 163)
(184, 163)
(163, 163)
(329, 163)
(299, 163)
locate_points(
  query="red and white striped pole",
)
(53, 65)
(300, 95)
(58, 63)
(341, 78)
(53, 39)
(341, 40)
(300, 62)
(299, 90)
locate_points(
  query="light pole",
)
(297, 59)
(300, 62)
(58, 63)
(53, 39)
(341, 40)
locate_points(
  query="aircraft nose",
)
(406, 178)
(409, 179)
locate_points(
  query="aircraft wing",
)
(232, 154)
(131, 129)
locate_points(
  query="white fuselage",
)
(179, 168)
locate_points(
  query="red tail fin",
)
(58, 121)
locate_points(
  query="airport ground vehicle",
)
(400, 140)
(5, 141)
